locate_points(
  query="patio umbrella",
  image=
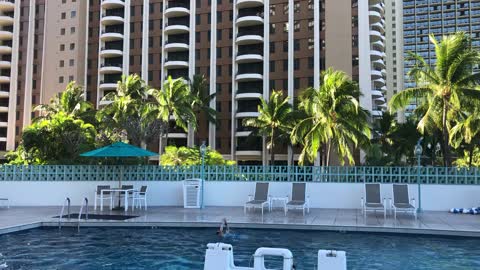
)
(119, 150)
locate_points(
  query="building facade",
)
(42, 48)
(439, 17)
(244, 48)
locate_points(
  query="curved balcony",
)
(108, 53)
(4, 79)
(378, 83)
(242, 133)
(377, 113)
(3, 109)
(379, 44)
(172, 12)
(376, 74)
(112, 20)
(248, 96)
(176, 29)
(249, 21)
(176, 64)
(249, 58)
(377, 93)
(113, 4)
(111, 36)
(107, 86)
(5, 34)
(110, 68)
(6, 20)
(374, 16)
(249, 3)
(248, 153)
(5, 64)
(4, 94)
(249, 77)
(175, 47)
(378, 27)
(7, 5)
(249, 39)
(376, 55)
(377, 7)
(379, 100)
(246, 114)
(378, 64)
(4, 49)
(376, 36)
(178, 135)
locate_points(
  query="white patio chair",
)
(107, 195)
(260, 199)
(299, 199)
(139, 197)
(402, 202)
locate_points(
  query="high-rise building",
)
(244, 48)
(438, 17)
(42, 48)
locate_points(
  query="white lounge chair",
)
(402, 202)
(5, 202)
(260, 199)
(107, 195)
(373, 201)
(299, 199)
(140, 196)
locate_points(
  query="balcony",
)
(177, 9)
(172, 29)
(108, 68)
(7, 5)
(6, 20)
(112, 34)
(5, 49)
(176, 64)
(249, 58)
(246, 77)
(249, 3)
(376, 55)
(249, 38)
(6, 33)
(251, 95)
(107, 4)
(375, 16)
(250, 20)
(107, 85)
(5, 64)
(376, 36)
(377, 93)
(112, 19)
(4, 79)
(111, 52)
(376, 74)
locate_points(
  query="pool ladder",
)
(84, 203)
(67, 203)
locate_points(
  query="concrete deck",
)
(435, 223)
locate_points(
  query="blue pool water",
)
(174, 248)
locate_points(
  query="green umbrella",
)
(119, 150)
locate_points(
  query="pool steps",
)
(219, 256)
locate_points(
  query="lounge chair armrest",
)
(385, 203)
(362, 202)
(414, 202)
(250, 197)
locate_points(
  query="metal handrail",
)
(84, 203)
(67, 201)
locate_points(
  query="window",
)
(62, 63)
(72, 46)
(219, 34)
(72, 30)
(296, 83)
(131, 60)
(60, 79)
(285, 46)
(272, 66)
(296, 44)
(62, 31)
(70, 78)
(73, 14)
(219, 70)
(219, 16)
(272, 47)
(63, 15)
(285, 65)
(219, 52)
(272, 28)
(62, 47)
(71, 62)
(296, 64)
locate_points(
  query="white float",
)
(219, 256)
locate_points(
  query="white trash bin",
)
(192, 189)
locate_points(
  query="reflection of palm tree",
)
(332, 117)
(273, 120)
(444, 87)
(175, 100)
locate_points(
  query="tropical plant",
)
(274, 120)
(130, 112)
(175, 100)
(71, 102)
(444, 87)
(465, 134)
(59, 139)
(202, 97)
(188, 156)
(332, 117)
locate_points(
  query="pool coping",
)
(364, 229)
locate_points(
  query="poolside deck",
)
(439, 223)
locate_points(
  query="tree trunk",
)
(329, 149)
(446, 145)
(470, 161)
(272, 153)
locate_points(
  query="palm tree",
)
(131, 110)
(467, 131)
(273, 120)
(443, 87)
(202, 97)
(70, 102)
(332, 117)
(175, 100)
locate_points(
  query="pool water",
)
(184, 248)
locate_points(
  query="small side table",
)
(282, 200)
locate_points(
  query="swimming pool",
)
(184, 248)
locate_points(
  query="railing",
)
(331, 174)
(84, 203)
(67, 202)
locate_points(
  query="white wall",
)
(322, 195)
